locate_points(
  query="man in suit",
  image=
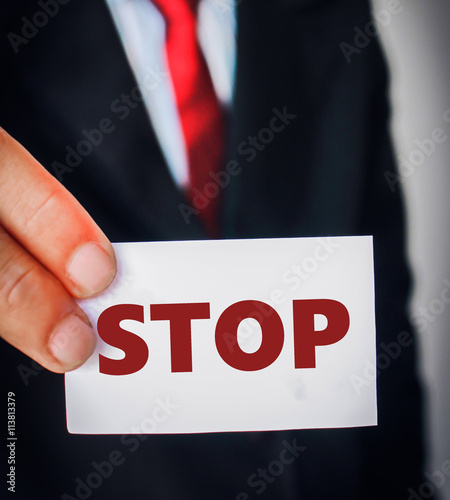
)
(322, 174)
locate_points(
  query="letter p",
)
(306, 338)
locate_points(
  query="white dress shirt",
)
(142, 30)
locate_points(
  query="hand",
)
(50, 251)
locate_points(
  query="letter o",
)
(90, 482)
(437, 307)
(310, 264)
(272, 336)
(371, 29)
(447, 115)
(279, 468)
(144, 426)
(44, 19)
(88, 146)
(265, 135)
(136, 94)
(211, 190)
(416, 158)
(426, 494)
(385, 364)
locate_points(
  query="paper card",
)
(230, 335)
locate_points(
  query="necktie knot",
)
(177, 11)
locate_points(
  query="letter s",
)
(257, 483)
(289, 277)
(109, 330)
(127, 439)
(117, 108)
(243, 150)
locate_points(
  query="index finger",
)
(50, 223)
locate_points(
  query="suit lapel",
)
(78, 74)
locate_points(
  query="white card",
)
(230, 335)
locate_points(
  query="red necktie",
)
(198, 107)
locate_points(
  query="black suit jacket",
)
(322, 175)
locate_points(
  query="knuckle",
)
(36, 210)
(20, 282)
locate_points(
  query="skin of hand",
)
(51, 251)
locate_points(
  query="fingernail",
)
(72, 342)
(91, 269)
